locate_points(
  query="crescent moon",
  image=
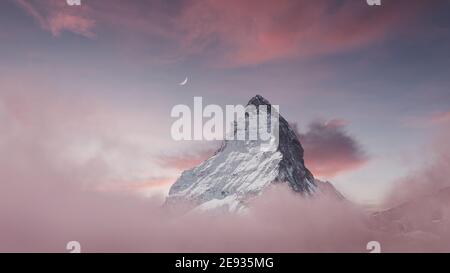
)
(184, 82)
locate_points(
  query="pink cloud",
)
(231, 33)
(249, 33)
(56, 17)
(44, 216)
(432, 177)
(419, 204)
(442, 117)
(111, 144)
(330, 150)
(433, 119)
(61, 22)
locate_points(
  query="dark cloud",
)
(330, 150)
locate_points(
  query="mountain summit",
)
(240, 169)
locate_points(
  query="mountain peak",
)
(258, 100)
(240, 169)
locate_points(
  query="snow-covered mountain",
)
(241, 169)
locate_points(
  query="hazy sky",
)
(93, 86)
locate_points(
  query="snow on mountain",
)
(241, 169)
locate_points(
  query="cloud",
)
(111, 145)
(419, 203)
(330, 150)
(232, 33)
(56, 17)
(61, 22)
(441, 117)
(431, 177)
(41, 213)
(255, 32)
(433, 119)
